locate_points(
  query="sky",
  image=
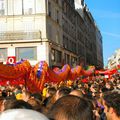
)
(106, 13)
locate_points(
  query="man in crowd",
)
(71, 108)
(111, 102)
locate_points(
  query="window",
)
(26, 53)
(50, 31)
(10, 7)
(68, 58)
(3, 54)
(39, 7)
(49, 9)
(119, 60)
(29, 7)
(64, 7)
(18, 7)
(53, 54)
(57, 15)
(57, 38)
(66, 43)
(82, 2)
(73, 60)
(65, 57)
(2, 7)
(58, 56)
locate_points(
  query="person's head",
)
(109, 85)
(26, 96)
(14, 104)
(35, 103)
(76, 93)
(51, 91)
(37, 96)
(17, 90)
(111, 102)
(62, 91)
(22, 114)
(71, 108)
(4, 93)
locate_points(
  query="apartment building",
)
(114, 60)
(50, 30)
(99, 46)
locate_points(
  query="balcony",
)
(19, 35)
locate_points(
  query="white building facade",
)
(114, 60)
(24, 29)
(49, 30)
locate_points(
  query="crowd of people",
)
(95, 99)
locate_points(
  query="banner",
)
(11, 60)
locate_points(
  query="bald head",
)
(76, 93)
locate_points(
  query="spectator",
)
(50, 92)
(71, 108)
(111, 102)
(62, 91)
(76, 93)
(26, 96)
(35, 103)
(14, 104)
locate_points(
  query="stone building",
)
(114, 60)
(50, 30)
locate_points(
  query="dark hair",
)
(71, 108)
(51, 91)
(14, 104)
(112, 99)
(64, 91)
(37, 96)
(104, 89)
(35, 103)
(4, 93)
(51, 96)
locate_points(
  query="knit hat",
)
(22, 114)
